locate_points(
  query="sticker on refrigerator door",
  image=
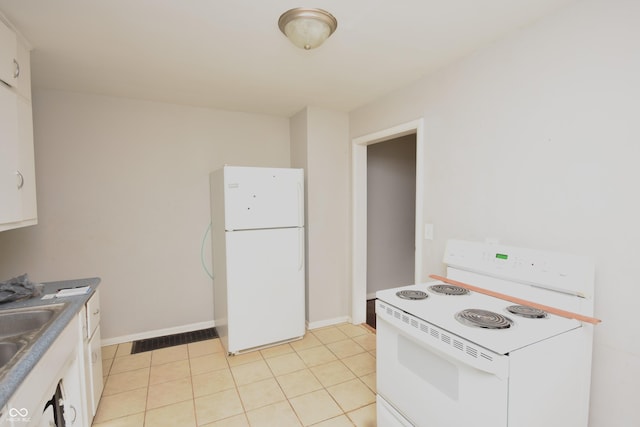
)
(233, 185)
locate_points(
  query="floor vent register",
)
(156, 343)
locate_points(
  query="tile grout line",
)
(262, 357)
(193, 391)
(283, 393)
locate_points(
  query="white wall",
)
(299, 140)
(329, 216)
(391, 213)
(535, 140)
(123, 194)
(320, 144)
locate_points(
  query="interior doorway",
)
(360, 210)
(391, 216)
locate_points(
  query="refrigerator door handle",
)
(300, 204)
(301, 249)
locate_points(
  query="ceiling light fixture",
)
(307, 28)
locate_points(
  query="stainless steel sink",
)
(19, 328)
(7, 350)
(18, 322)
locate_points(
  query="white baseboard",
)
(158, 333)
(328, 322)
(205, 325)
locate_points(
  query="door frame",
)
(359, 209)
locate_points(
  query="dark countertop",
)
(12, 379)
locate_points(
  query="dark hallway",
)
(371, 313)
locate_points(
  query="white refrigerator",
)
(257, 234)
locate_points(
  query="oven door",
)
(434, 378)
(387, 416)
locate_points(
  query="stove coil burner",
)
(526, 311)
(411, 294)
(483, 319)
(448, 290)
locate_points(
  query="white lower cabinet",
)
(58, 368)
(66, 384)
(95, 385)
(73, 396)
(93, 382)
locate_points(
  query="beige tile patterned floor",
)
(326, 379)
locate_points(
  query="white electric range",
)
(446, 359)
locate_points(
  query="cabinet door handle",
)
(16, 71)
(20, 180)
(96, 312)
(63, 404)
(75, 414)
(94, 357)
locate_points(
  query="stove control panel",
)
(561, 272)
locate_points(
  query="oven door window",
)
(430, 388)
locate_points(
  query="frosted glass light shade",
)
(307, 28)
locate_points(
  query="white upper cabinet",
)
(26, 164)
(23, 85)
(9, 157)
(9, 66)
(17, 165)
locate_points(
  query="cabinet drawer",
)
(93, 313)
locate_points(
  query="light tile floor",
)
(326, 379)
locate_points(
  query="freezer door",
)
(263, 198)
(265, 287)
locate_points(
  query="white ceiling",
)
(230, 54)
